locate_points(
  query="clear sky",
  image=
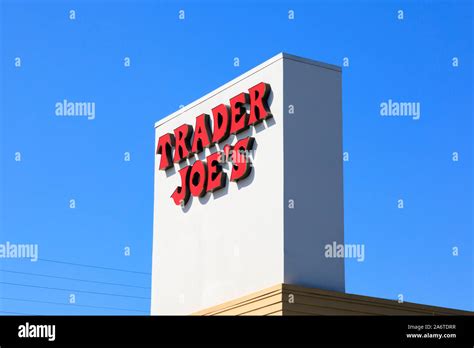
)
(408, 251)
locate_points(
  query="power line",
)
(14, 313)
(71, 305)
(75, 279)
(92, 266)
(74, 290)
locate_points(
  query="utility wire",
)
(14, 313)
(74, 290)
(70, 305)
(75, 279)
(92, 266)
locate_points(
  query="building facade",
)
(252, 227)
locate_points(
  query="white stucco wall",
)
(230, 242)
(243, 238)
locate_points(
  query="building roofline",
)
(245, 75)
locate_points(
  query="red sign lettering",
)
(165, 144)
(208, 176)
(202, 134)
(183, 137)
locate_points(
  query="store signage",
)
(207, 176)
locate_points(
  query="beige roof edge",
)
(252, 71)
(390, 307)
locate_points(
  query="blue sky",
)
(173, 62)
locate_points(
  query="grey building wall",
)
(313, 173)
